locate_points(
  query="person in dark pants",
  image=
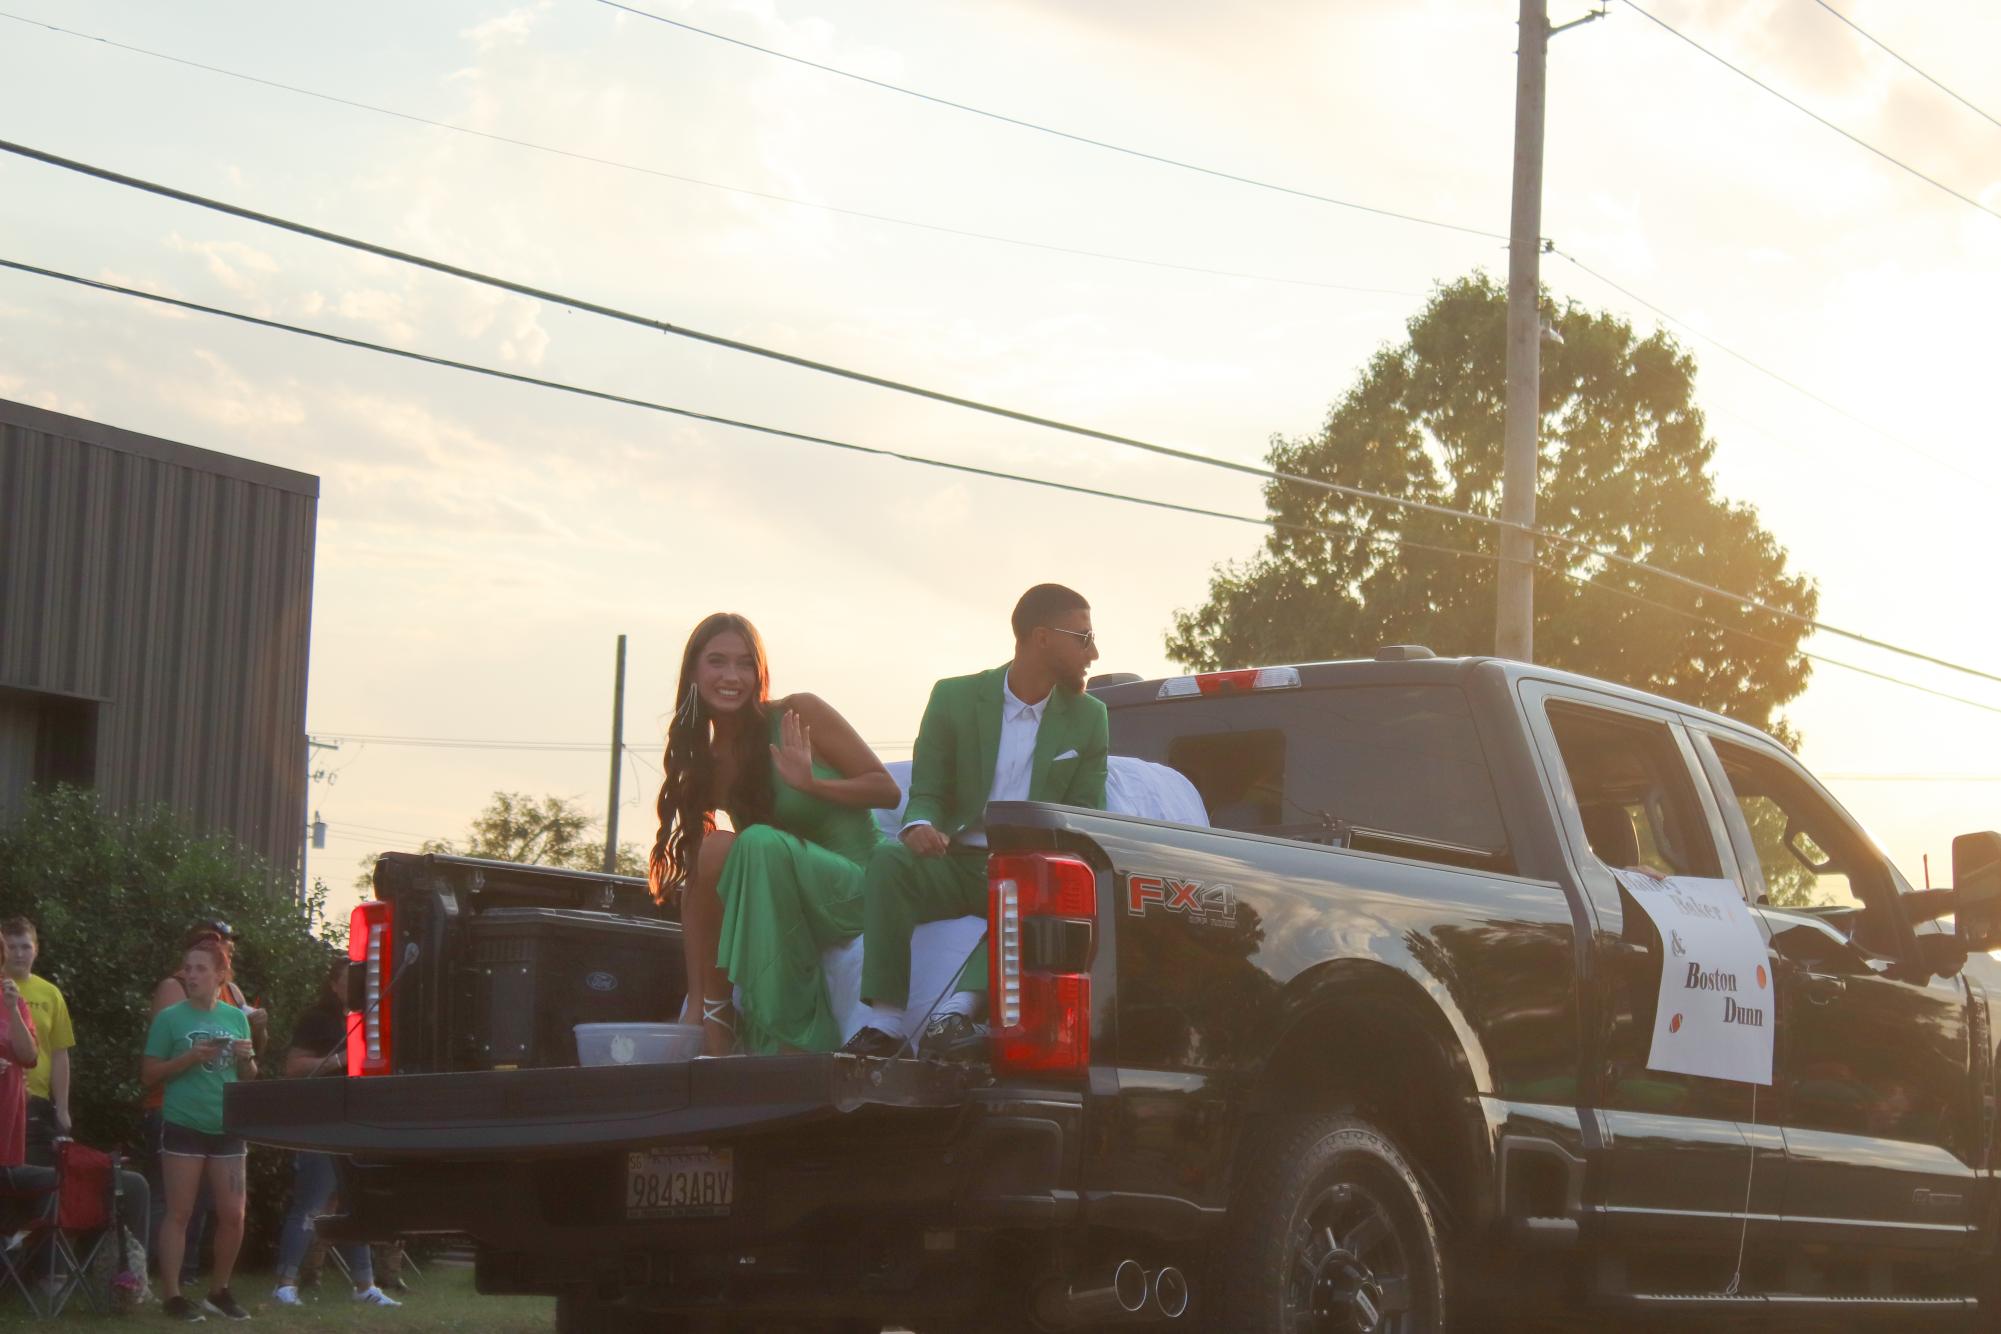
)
(319, 1048)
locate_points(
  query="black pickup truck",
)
(1368, 1053)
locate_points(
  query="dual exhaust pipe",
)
(1128, 1294)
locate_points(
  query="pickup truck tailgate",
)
(522, 1114)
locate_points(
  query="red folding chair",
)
(21, 1207)
(86, 1180)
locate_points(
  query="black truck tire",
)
(1329, 1230)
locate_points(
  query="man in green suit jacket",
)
(1025, 731)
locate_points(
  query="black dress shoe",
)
(873, 1042)
(952, 1037)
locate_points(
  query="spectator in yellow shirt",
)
(48, 1082)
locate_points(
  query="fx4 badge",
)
(1206, 905)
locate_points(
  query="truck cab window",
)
(1397, 770)
(1811, 858)
(1241, 775)
(1634, 795)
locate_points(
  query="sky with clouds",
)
(481, 545)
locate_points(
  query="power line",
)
(963, 232)
(1070, 135)
(1765, 639)
(631, 750)
(1880, 45)
(918, 391)
(942, 229)
(1408, 544)
(1769, 373)
(769, 196)
(466, 743)
(1803, 109)
(1232, 176)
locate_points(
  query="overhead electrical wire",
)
(1804, 110)
(1630, 595)
(474, 743)
(767, 195)
(1769, 373)
(953, 400)
(800, 437)
(1882, 46)
(462, 743)
(1790, 384)
(1005, 119)
(942, 229)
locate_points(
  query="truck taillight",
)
(371, 944)
(1042, 911)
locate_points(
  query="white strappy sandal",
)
(713, 1012)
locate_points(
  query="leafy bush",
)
(112, 894)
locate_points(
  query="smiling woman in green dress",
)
(758, 906)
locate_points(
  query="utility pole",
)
(1514, 584)
(1514, 595)
(315, 829)
(617, 761)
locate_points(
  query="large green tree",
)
(1624, 467)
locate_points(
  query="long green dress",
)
(790, 889)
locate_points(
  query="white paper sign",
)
(1717, 1011)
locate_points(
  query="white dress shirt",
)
(1014, 762)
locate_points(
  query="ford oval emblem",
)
(602, 982)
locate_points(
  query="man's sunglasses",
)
(1090, 637)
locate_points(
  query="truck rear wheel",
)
(1330, 1233)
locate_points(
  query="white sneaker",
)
(286, 1294)
(374, 1296)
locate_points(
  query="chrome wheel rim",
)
(1350, 1270)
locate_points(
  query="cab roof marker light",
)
(1229, 683)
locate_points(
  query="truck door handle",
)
(1820, 988)
(1627, 949)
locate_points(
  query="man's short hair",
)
(20, 926)
(1042, 604)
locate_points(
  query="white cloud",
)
(509, 29)
(242, 269)
(388, 312)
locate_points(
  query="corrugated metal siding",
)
(17, 750)
(174, 585)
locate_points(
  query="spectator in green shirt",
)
(194, 1049)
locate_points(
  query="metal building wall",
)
(173, 585)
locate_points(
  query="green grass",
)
(442, 1301)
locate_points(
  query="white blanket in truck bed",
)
(939, 949)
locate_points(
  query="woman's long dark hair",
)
(688, 796)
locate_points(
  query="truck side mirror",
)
(1976, 889)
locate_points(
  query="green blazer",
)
(959, 743)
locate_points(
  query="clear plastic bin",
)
(637, 1044)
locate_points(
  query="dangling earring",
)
(691, 706)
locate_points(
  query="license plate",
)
(679, 1183)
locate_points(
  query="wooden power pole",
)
(1514, 587)
(1514, 598)
(617, 761)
